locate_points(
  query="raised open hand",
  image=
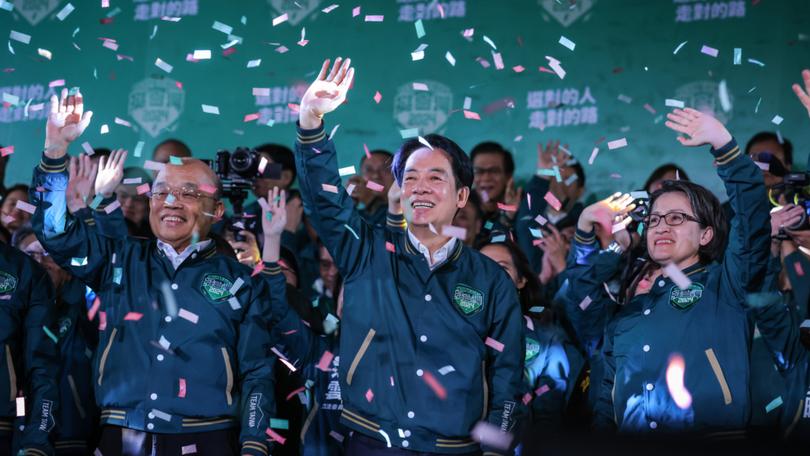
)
(804, 94)
(699, 127)
(81, 180)
(67, 120)
(326, 93)
(110, 172)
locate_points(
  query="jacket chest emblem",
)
(532, 349)
(8, 282)
(216, 287)
(468, 299)
(686, 298)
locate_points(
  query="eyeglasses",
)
(670, 218)
(484, 171)
(188, 195)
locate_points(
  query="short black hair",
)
(577, 166)
(101, 152)
(763, 136)
(662, 171)
(185, 151)
(389, 157)
(281, 155)
(491, 147)
(17, 188)
(475, 201)
(459, 160)
(706, 208)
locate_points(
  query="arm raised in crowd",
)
(330, 209)
(67, 239)
(746, 257)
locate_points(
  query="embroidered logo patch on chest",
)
(216, 287)
(8, 282)
(684, 299)
(468, 299)
(532, 349)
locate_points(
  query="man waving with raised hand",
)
(432, 334)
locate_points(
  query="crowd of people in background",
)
(656, 311)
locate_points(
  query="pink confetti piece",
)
(434, 384)
(377, 97)
(120, 121)
(529, 322)
(251, 117)
(369, 395)
(494, 344)
(181, 392)
(585, 303)
(282, 49)
(484, 62)
(207, 188)
(8, 150)
(552, 201)
(472, 115)
(710, 51)
(329, 8)
(142, 189)
(326, 360)
(420, 86)
(491, 435)
(540, 219)
(294, 392)
(356, 11)
(153, 165)
(365, 149)
(257, 269)
(272, 434)
(454, 231)
(280, 19)
(542, 390)
(187, 315)
(617, 144)
(26, 207)
(133, 316)
(518, 69)
(374, 186)
(91, 313)
(797, 266)
(337, 436)
(374, 18)
(56, 83)
(102, 320)
(112, 207)
(650, 109)
(468, 33)
(593, 155)
(329, 188)
(498, 60)
(507, 207)
(527, 398)
(390, 247)
(109, 44)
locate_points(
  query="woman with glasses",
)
(676, 340)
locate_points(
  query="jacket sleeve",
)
(604, 420)
(71, 243)
(268, 309)
(337, 222)
(505, 368)
(586, 300)
(524, 220)
(746, 258)
(797, 267)
(778, 323)
(41, 365)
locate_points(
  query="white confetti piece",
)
(105, 129)
(567, 43)
(224, 28)
(88, 149)
(454, 231)
(45, 53)
(425, 143)
(419, 53)
(585, 303)
(332, 189)
(132, 181)
(188, 449)
(447, 369)
(280, 19)
(489, 42)
(234, 303)
(153, 165)
(261, 92)
(347, 171)
(120, 121)
(498, 60)
(420, 86)
(555, 66)
(5, 5)
(26, 207)
(236, 286)
(674, 103)
(722, 94)
(679, 47)
(491, 435)
(254, 63)
(777, 119)
(21, 37)
(163, 65)
(209, 109)
(329, 8)
(409, 133)
(64, 12)
(710, 51)
(420, 28)
(677, 276)
(737, 56)
(202, 54)
(20, 402)
(10, 98)
(618, 143)
(138, 148)
(374, 18)
(756, 62)
(162, 415)
(594, 152)
(449, 57)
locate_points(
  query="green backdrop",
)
(619, 75)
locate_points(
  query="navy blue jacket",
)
(413, 352)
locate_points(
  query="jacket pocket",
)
(106, 353)
(228, 375)
(12, 375)
(718, 372)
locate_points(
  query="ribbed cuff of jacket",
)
(396, 221)
(271, 268)
(255, 448)
(585, 237)
(53, 165)
(38, 451)
(726, 153)
(310, 136)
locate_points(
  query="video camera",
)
(237, 171)
(795, 189)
